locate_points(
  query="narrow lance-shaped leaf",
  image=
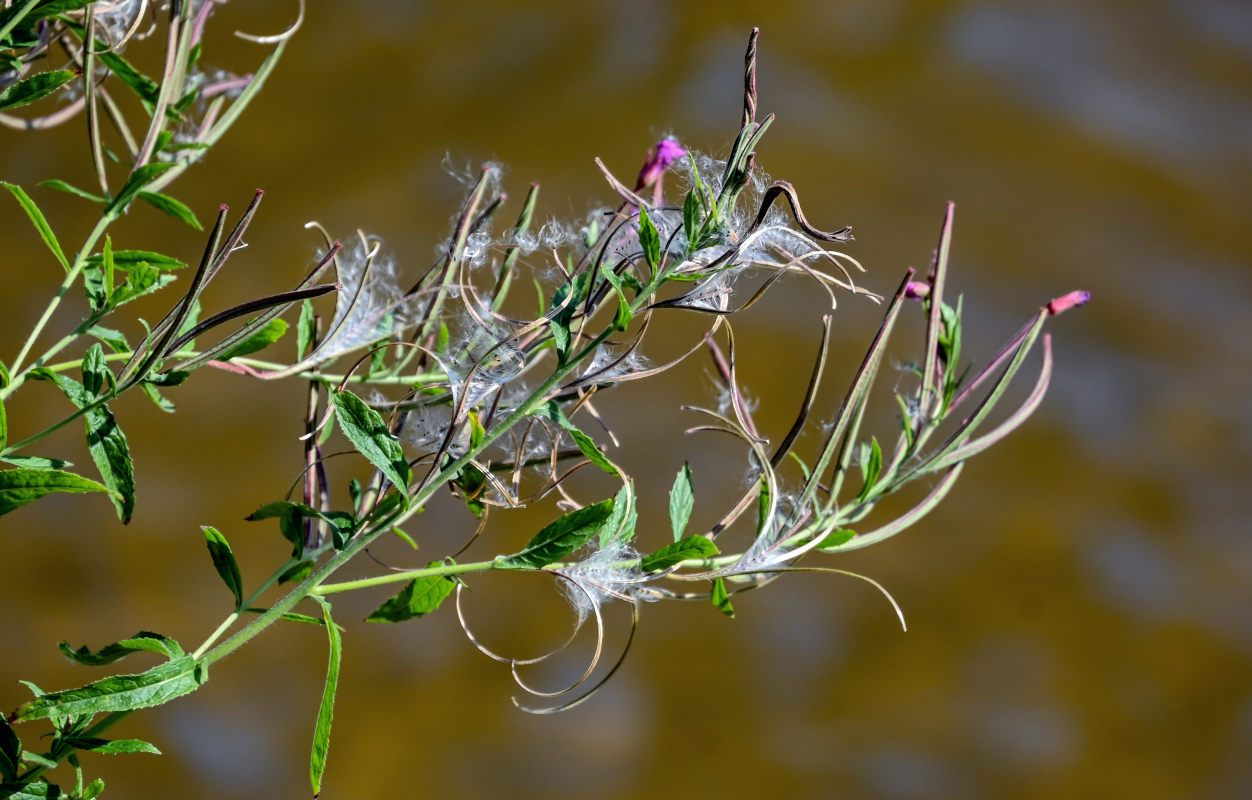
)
(224, 562)
(271, 332)
(112, 746)
(172, 206)
(121, 692)
(370, 435)
(681, 500)
(326, 711)
(39, 790)
(39, 221)
(418, 598)
(34, 88)
(560, 538)
(105, 439)
(585, 443)
(649, 240)
(144, 641)
(678, 552)
(62, 186)
(721, 598)
(135, 183)
(620, 526)
(24, 485)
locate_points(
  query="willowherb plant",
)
(483, 404)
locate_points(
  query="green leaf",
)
(721, 598)
(418, 598)
(291, 515)
(585, 443)
(129, 259)
(112, 746)
(681, 501)
(62, 186)
(679, 551)
(175, 208)
(691, 220)
(138, 179)
(224, 562)
(837, 538)
(105, 439)
(158, 399)
(143, 279)
(143, 86)
(326, 711)
(297, 572)
(34, 88)
(560, 538)
(304, 329)
(121, 692)
(623, 316)
(649, 240)
(4, 427)
(40, 222)
(260, 339)
(871, 467)
(39, 790)
(35, 462)
(560, 338)
(92, 790)
(620, 526)
(10, 752)
(369, 434)
(144, 641)
(108, 267)
(23, 485)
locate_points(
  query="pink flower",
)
(1068, 301)
(916, 290)
(666, 152)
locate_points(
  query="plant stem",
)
(80, 261)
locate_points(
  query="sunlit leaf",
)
(369, 434)
(620, 526)
(325, 711)
(172, 206)
(35, 462)
(649, 240)
(24, 485)
(135, 184)
(34, 88)
(144, 641)
(721, 598)
(224, 562)
(681, 501)
(39, 221)
(62, 186)
(418, 598)
(262, 338)
(112, 746)
(560, 538)
(678, 552)
(121, 692)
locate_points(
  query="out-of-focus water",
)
(1079, 609)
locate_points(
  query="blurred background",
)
(1080, 610)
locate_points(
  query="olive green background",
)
(1079, 609)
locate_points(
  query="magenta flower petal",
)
(666, 152)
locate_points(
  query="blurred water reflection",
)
(1080, 612)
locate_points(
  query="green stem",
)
(399, 577)
(80, 262)
(11, 24)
